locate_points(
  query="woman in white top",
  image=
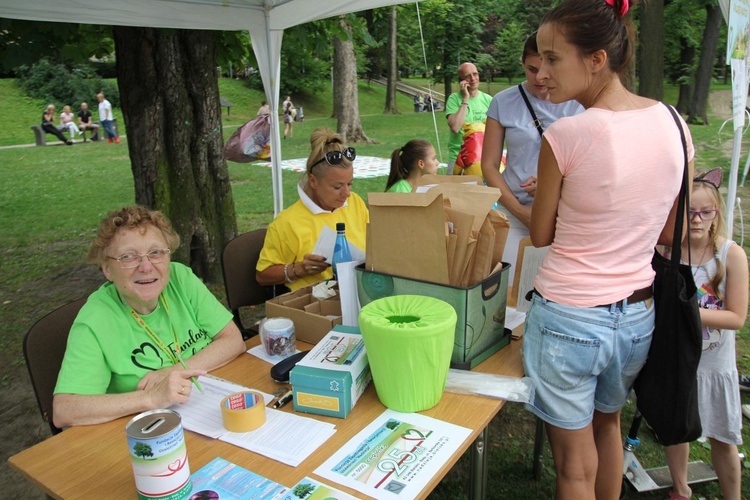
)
(510, 121)
(66, 122)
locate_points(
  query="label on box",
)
(337, 351)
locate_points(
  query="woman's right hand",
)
(311, 264)
(174, 387)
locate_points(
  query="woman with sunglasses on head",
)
(608, 182)
(142, 339)
(325, 198)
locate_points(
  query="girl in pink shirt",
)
(608, 179)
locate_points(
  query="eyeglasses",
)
(132, 260)
(336, 157)
(706, 215)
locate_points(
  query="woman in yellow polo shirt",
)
(325, 198)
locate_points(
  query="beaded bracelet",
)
(286, 275)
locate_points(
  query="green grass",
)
(51, 199)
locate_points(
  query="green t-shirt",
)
(401, 186)
(476, 113)
(108, 352)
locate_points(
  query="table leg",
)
(478, 466)
(538, 449)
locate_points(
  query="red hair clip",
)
(623, 8)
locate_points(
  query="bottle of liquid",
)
(341, 252)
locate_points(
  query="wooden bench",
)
(40, 136)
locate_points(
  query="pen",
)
(283, 399)
(195, 380)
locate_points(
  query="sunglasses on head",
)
(336, 157)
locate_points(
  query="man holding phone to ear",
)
(468, 105)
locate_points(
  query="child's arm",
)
(735, 313)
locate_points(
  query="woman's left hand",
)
(530, 185)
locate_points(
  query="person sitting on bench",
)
(48, 124)
(86, 123)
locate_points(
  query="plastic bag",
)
(519, 390)
(250, 142)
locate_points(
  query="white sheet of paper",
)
(395, 456)
(285, 437)
(202, 412)
(260, 352)
(325, 244)
(513, 317)
(348, 292)
(532, 260)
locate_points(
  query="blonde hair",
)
(323, 140)
(132, 217)
(717, 233)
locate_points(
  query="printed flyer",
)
(223, 480)
(310, 489)
(395, 456)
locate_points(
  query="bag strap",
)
(682, 200)
(537, 123)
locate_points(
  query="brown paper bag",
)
(407, 236)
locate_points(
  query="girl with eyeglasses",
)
(325, 198)
(721, 274)
(142, 339)
(410, 162)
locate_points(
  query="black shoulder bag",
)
(537, 123)
(666, 388)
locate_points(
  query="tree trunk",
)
(698, 111)
(651, 50)
(345, 89)
(391, 105)
(169, 90)
(687, 59)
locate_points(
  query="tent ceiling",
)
(225, 15)
(266, 21)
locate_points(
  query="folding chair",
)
(238, 261)
(43, 348)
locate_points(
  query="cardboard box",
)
(312, 318)
(480, 327)
(333, 375)
(459, 236)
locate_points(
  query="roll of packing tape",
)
(243, 411)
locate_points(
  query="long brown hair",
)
(404, 160)
(593, 25)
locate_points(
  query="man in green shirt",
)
(468, 105)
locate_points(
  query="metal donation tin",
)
(159, 456)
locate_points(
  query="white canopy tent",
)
(266, 21)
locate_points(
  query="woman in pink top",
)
(608, 179)
(66, 122)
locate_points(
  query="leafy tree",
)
(55, 83)
(511, 40)
(303, 490)
(345, 85)
(26, 42)
(142, 450)
(651, 50)
(170, 101)
(704, 74)
(391, 104)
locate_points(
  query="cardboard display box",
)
(480, 327)
(312, 318)
(333, 375)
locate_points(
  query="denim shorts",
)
(584, 358)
